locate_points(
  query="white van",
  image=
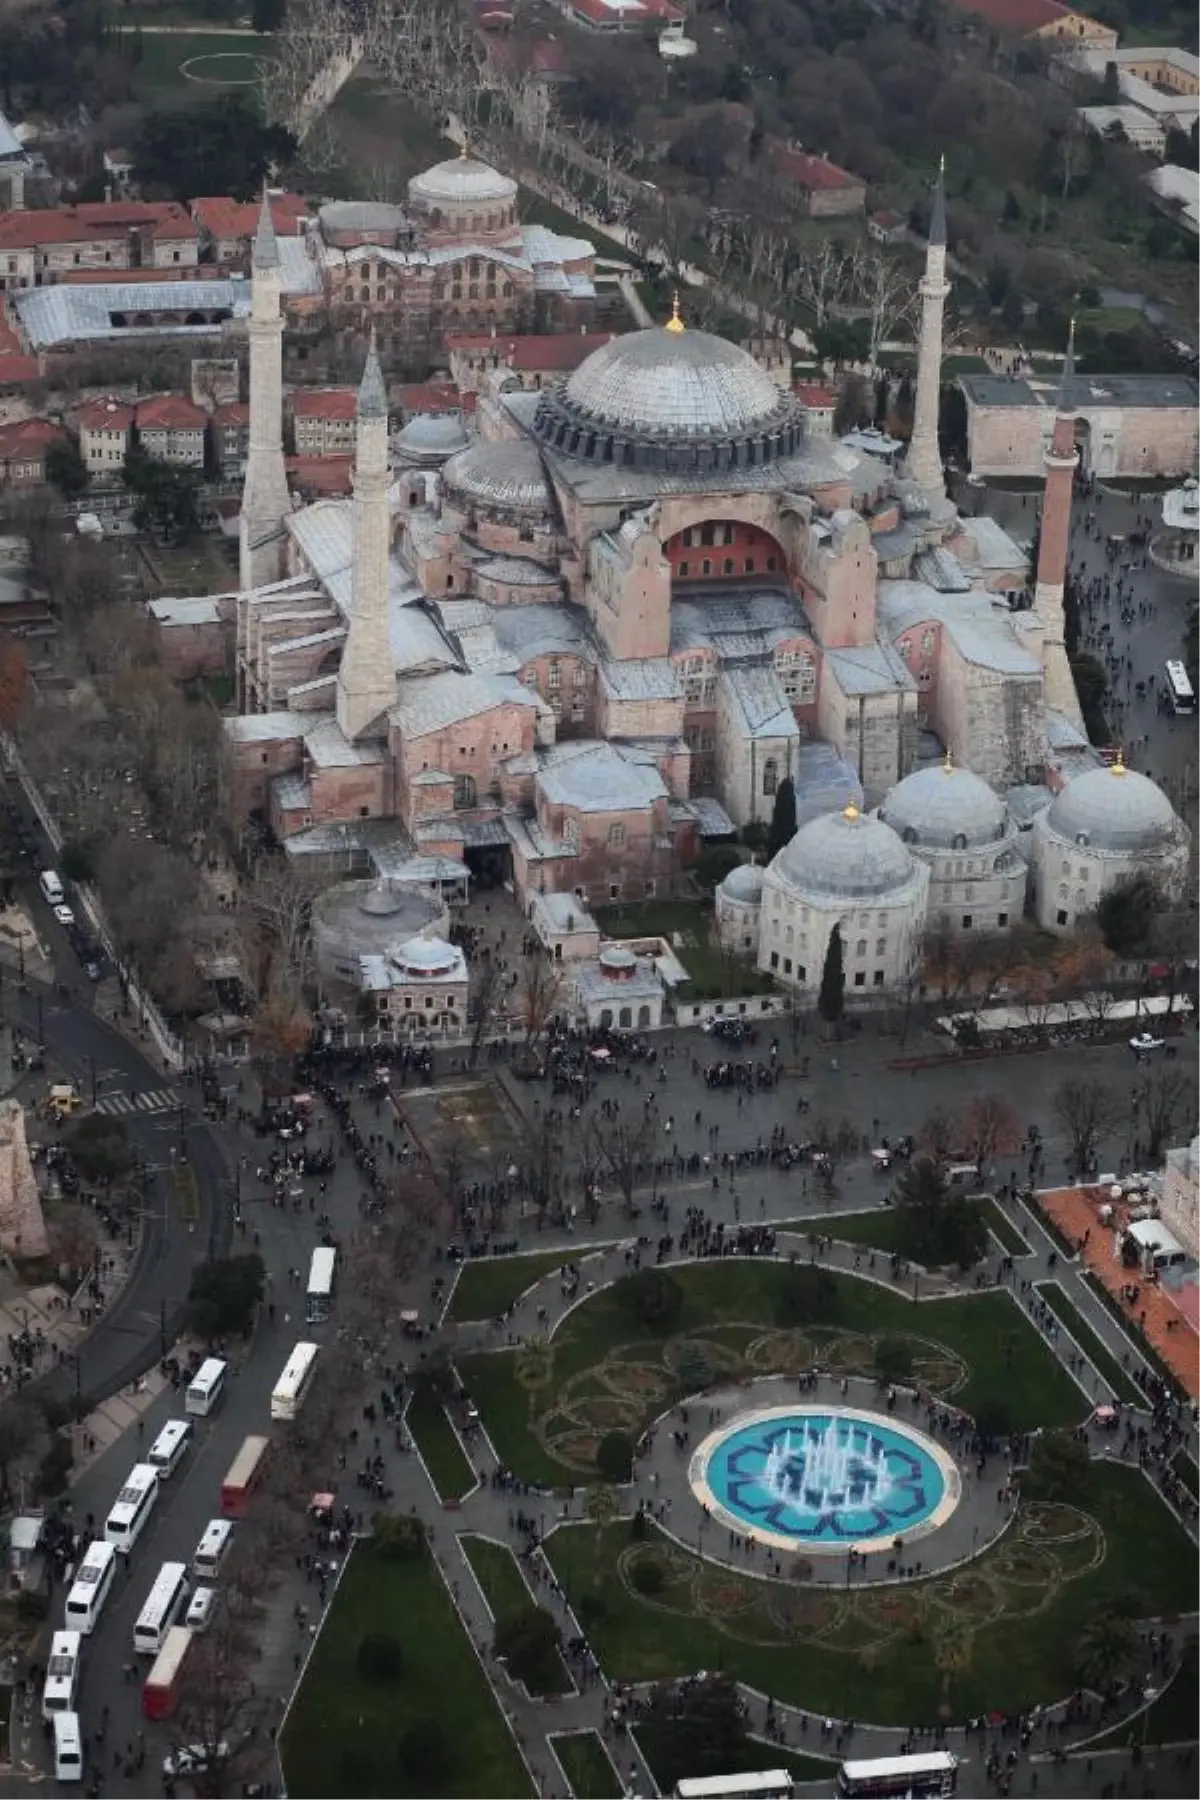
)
(200, 1609)
(68, 1747)
(212, 1549)
(169, 1446)
(52, 887)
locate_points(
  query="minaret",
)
(924, 462)
(265, 502)
(1048, 594)
(366, 685)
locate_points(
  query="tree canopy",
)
(224, 1294)
(783, 818)
(937, 1225)
(215, 146)
(831, 1001)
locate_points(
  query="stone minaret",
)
(924, 462)
(1048, 594)
(366, 684)
(265, 502)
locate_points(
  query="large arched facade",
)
(725, 549)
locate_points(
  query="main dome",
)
(945, 808)
(674, 399)
(459, 181)
(845, 856)
(1113, 809)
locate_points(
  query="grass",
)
(436, 1439)
(343, 1733)
(506, 1591)
(159, 76)
(488, 1287)
(995, 1354)
(667, 1769)
(587, 1766)
(1010, 1627)
(714, 975)
(1187, 1472)
(1120, 1384)
(1171, 1719)
(880, 1227)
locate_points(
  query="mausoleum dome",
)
(1113, 809)
(845, 856)
(945, 808)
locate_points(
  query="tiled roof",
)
(233, 412)
(432, 397)
(226, 219)
(813, 172)
(16, 369)
(104, 415)
(1021, 16)
(321, 474)
(598, 777)
(66, 314)
(603, 12)
(170, 412)
(89, 222)
(432, 702)
(558, 352)
(323, 403)
(812, 393)
(27, 437)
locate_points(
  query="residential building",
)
(225, 227)
(229, 425)
(15, 168)
(105, 429)
(817, 186)
(322, 421)
(819, 404)
(1048, 20)
(23, 447)
(1140, 129)
(1178, 193)
(1168, 73)
(533, 357)
(887, 228)
(420, 987)
(39, 248)
(611, 16)
(172, 428)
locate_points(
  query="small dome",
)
(1113, 809)
(743, 884)
(945, 808)
(504, 474)
(845, 855)
(382, 902)
(429, 435)
(426, 956)
(683, 381)
(615, 956)
(459, 181)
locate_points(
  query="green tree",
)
(648, 1575)
(893, 1359)
(166, 496)
(77, 859)
(714, 863)
(808, 1295)
(1126, 915)
(425, 1756)
(783, 818)
(224, 1294)
(935, 1224)
(213, 146)
(528, 1640)
(653, 1297)
(1091, 684)
(614, 1456)
(831, 1000)
(1107, 1652)
(66, 469)
(268, 15)
(100, 1147)
(698, 1730)
(399, 1537)
(1058, 1466)
(1110, 87)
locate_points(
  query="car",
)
(1143, 1043)
(200, 1609)
(193, 1759)
(64, 915)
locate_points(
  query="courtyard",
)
(469, 1125)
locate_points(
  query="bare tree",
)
(623, 1146)
(541, 991)
(991, 1127)
(938, 1137)
(220, 1713)
(823, 279)
(1157, 1102)
(1082, 1106)
(20, 1430)
(485, 1003)
(887, 294)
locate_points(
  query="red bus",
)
(245, 1472)
(161, 1689)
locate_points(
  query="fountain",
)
(827, 1469)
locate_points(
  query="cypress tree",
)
(783, 818)
(832, 998)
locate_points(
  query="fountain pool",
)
(824, 1478)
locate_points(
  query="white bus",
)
(1183, 695)
(169, 1447)
(211, 1551)
(881, 1776)
(89, 1590)
(295, 1381)
(132, 1508)
(68, 1747)
(763, 1784)
(62, 1673)
(164, 1603)
(321, 1272)
(206, 1387)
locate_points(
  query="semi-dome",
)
(845, 856)
(504, 474)
(945, 808)
(459, 181)
(673, 399)
(1113, 809)
(743, 885)
(430, 435)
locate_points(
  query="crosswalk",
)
(151, 1101)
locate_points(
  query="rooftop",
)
(815, 173)
(1020, 16)
(170, 412)
(1084, 391)
(66, 314)
(337, 403)
(226, 219)
(89, 222)
(597, 777)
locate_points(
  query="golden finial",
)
(948, 761)
(464, 149)
(675, 323)
(1118, 763)
(850, 812)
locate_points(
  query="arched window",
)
(770, 775)
(464, 790)
(960, 840)
(616, 834)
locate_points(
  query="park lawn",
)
(876, 1654)
(160, 78)
(485, 1289)
(1171, 1719)
(1123, 1387)
(759, 1755)
(506, 1591)
(880, 1228)
(342, 1732)
(1185, 1467)
(587, 1765)
(447, 1462)
(1005, 1359)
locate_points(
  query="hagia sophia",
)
(569, 639)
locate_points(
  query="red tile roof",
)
(232, 412)
(227, 219)
(812, 393)
(636, 11)
(104, 415)
(28, 437)
(813, 172)
(323, 403)
(170, 412)
(17, 369)
(90, 222)
(431, 397)
(533, 353)
(321, 474)
(1020, 16)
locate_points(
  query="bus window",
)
(168, 1448)
(205, 1387)
(1180, 691)
(878, 1778)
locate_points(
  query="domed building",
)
(419, 986)
(737, 908)
(1101, 829)
(961, 829)
(853, 871)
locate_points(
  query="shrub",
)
(592, 1609)
(54, 1469)
(654, 1298)
(648, 1575)
(33, 1606)
(614, 1456)
(528, 1640)
(638, 1526)
(398, 1536)
(807, 1295)
(893, 1359)
(224, 1294)
(380, 1657)
(99, 1147)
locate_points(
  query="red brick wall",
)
(750, 551)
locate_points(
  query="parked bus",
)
(160, 1694)
(245, 1472)
(169, 1447)
(211, 1551)
(294, 1382)
(205, 1387)
(164, 1603)
(1183, 695)
(68, 1747)
(321, 1272)
(763, 1784)
(132, 1508)
(62, 1673)
(89, 1590)
(881, 1776)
